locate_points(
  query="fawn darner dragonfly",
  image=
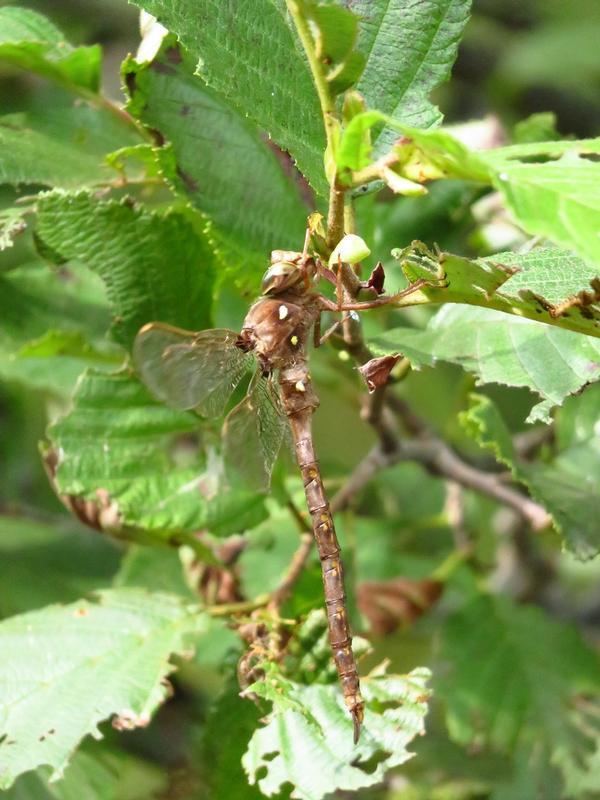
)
(201, 370)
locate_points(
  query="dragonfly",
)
(201, 370)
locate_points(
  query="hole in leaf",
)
(537, 158)
(131, 82)
(370, 765)
(386, 705)
(286, 790)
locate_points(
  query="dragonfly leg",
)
(304, 260)
(339, 285)
(333, 328)
(363, 305)
(317, 332)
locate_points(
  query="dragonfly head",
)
(288, 269)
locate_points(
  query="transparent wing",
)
(252, 435)
(190, 370)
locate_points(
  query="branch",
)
(294, 571)
(287, 583)
(335, 215)
(439, 459)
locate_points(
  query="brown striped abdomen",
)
(300, 401)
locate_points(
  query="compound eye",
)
(279, 277)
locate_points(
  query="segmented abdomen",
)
(300, 401)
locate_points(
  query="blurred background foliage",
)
(519, 57)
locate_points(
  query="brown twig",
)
(430, 451)
(294, 570)
(439, 459)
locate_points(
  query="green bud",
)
(351, 249)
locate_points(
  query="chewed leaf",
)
(313, 748)
(12, 223)
(231, 172)
(498, 348)
(553, 190)
(129, 246)
(65, 669)
(120, 451)
(247, 52)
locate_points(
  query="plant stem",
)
(294, 571)
(335, 216)
(349, 216)
(325, 99)
(243, 607)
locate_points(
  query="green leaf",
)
(550, 273)
(421, 154)
(34, 301)
(552, 188)
(156, 569)
(156, 266)
(65, 669)
(581, 774)
(307, 740)
(532, 776)
(410, 49)
(234, 720)
(335, 30)
(230, 172)
(98, 772)
(558, 198)
(130, 457)
(266, 558)
(507, 687)
(538, 127)
(64, 144)
(73, 562)
(502, 282)
(249, 54)
(566, 484)
(498, 348)
(30, 41)
(355, 148)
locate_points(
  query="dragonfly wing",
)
(190, 370)
(252, 435)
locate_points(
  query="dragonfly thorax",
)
(276, 329)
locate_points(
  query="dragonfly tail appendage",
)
(340, 636)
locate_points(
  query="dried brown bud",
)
(376, 278)
(397, 602)
(377, 371)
